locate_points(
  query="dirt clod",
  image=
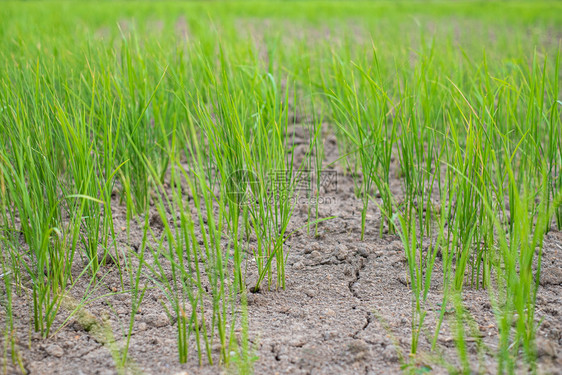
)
(389, 354)
(342, 252)
(552, 276)
(357, 351)
(54, 350)
(156, 221)
(545, 348)
(157, 320)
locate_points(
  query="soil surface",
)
(346, 308)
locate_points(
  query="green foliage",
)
(185, 112)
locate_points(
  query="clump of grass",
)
(366, 131)
(519, 274)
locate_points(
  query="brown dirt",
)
(346, 308)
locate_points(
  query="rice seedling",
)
(518, 279)
(370, 140)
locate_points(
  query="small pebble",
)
(298, 265)
(309, 293)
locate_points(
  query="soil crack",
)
(363, 258)
(369, 319)
(357, 276)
